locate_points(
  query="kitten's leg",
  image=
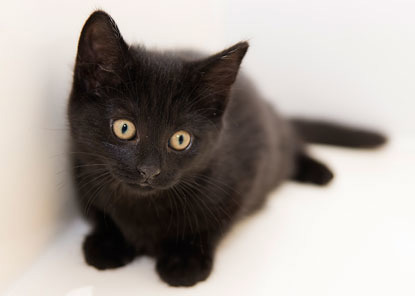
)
(105, 247)
(309, 170)
(185, 262)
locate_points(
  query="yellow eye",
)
(124, 129)
(180, 140)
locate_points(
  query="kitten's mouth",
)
(145, 187)
(144, 184)
(141, 186)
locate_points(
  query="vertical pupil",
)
(181, 139)
(124, 128)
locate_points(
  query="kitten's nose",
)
(148, 172)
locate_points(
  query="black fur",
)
(241, 149)
(334, 134)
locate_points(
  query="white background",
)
(353, 61)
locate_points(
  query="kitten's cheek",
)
(165, 182)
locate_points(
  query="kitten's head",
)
(148, 119)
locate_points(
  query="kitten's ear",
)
(219, 73)
(102, 52)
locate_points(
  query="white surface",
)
(355, 237)
(349, 60)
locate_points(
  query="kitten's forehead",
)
(159, 85)
(153, 105)
(156, 64)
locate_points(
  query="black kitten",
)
(171, 148)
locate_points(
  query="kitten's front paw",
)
(105, 251)
(184, 269)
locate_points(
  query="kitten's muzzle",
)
(148, 173)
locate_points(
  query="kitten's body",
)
(241, 150)
(252, 156)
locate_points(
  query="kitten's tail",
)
(322, 132)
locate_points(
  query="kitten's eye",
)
(124, 129)
(180, 140)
